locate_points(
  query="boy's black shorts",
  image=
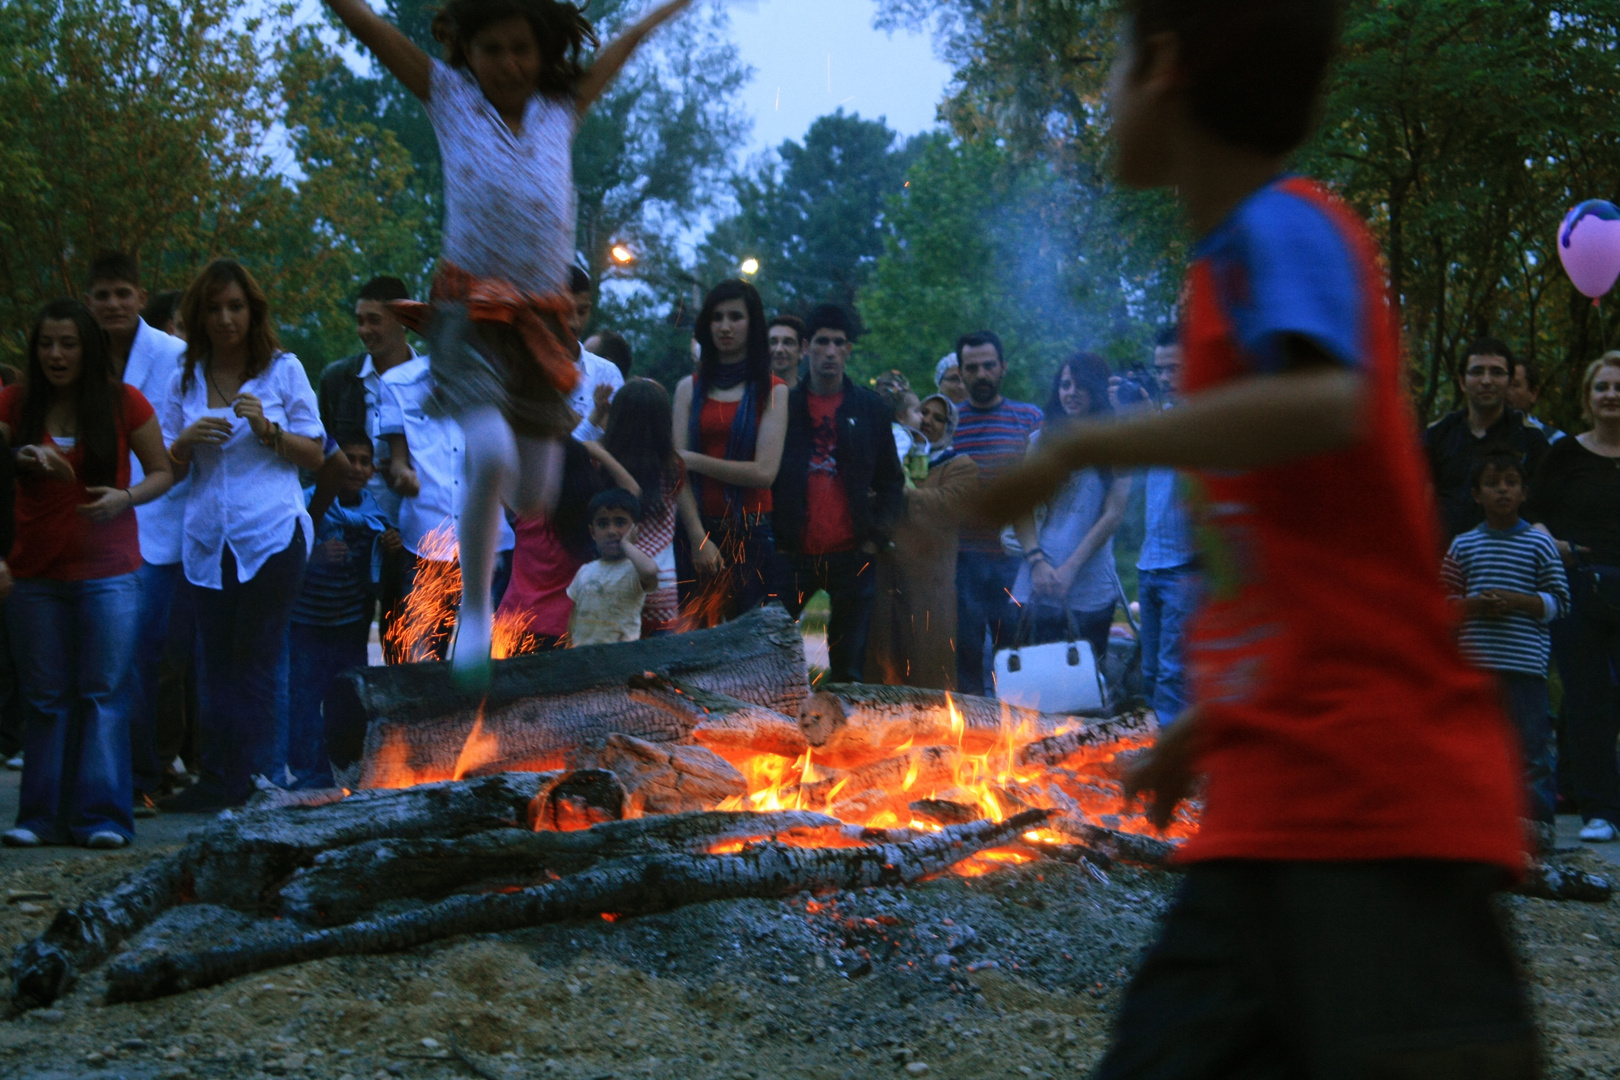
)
(1364, 970)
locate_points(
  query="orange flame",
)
(423, 627)
(479, 749)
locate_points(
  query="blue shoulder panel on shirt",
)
(1282, 269)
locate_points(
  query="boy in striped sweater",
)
(1508, 582)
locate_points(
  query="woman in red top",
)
(732, 445)
(72, 610)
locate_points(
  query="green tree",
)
(813, 213)
(1462, 129)
(179, 132)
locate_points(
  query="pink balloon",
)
(1589, 246)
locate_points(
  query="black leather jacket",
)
(867, 464)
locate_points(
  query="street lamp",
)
(622, 255)
(750, 266)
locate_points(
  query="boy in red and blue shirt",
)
(1362, 799)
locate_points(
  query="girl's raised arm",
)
(393, 50)
(612, 59)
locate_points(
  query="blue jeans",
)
(74, 644)
(1588, 655)
(1168, 599)
(983, 584)
(318, 655)
(241, 675)
(1525, 698)
(158, 585)
(851, 583)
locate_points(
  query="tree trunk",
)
(548, 710)
(633, 886)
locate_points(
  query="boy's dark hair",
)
(384, 289)
(979, 339)
(347, 437)
(1502, 459)
(792, 322)
(1485, 346)
(1532, 374)
(612, 346)
(1168, 337)
(163, 308)
(1252, 69)
(561, 31)
(578, 280)
(614, 498)
(114, 266)
(828, 317)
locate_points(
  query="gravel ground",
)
(1013, 974)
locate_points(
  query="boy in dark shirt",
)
(1335, 919)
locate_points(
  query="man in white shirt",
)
(147, 360)
(428, 469)
(351, 401)
(599, 379)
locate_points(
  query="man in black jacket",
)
(1455, 441)
(838, 493)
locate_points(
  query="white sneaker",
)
(106, 840)
(1598, 831)
(14, 763)
(20, 838)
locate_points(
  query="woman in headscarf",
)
(914, 619)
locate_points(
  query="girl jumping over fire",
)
(505, 104)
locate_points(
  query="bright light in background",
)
(622, 255)
(750, 267)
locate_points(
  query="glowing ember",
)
(424, 626)
(481, 748)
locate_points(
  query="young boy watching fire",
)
(1362, 798)
(608, 593)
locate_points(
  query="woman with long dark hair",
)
(72, 613)
(640, 434)
(242, 415)
(730, 426)
(1068, 573)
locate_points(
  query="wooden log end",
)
(821, 718)
(578, 801)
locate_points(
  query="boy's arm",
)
(612, 59)
(396, 52)
(646, 569)
(401, 474)
(1314, 406)
(1554, 585)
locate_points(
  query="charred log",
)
(579, 800)
(1549, 881)
(944, 812)
(732, 728)
(632, 886)
(670, 779)
(1117, 846)
(849, 725)
(1094, 739)
(553, 709)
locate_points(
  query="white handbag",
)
(1060, 677)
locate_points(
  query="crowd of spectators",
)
(203, 542)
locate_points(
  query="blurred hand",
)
(251, 409)
(1016, 494)
(45, 461)
(1169, 770)
(402, 478)
(5, 580)
(601, 399)
(706, 560)
(1045, 580)
(391, 542)
(207, 431)
(106, 503)
(332, 551)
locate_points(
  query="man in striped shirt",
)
(995, 433)
(1509, 583)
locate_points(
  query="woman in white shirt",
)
(242, 416)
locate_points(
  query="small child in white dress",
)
(608, 594)
(505, 108)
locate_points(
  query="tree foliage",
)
(814, 213)
(179, 132)
(1462, 129)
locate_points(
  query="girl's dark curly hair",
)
(561, 31)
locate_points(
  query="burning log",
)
(552, 710)
(241, 859)
(579, 800)
(1117, 846)
(1094, 737)
(345, 884)
(633, 886)
(853, 724)
(922, 768)
(944, 812)
(670, 779)
(734, 729)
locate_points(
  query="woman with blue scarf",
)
(731, 442)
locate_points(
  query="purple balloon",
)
(1589, 246)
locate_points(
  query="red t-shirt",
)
(1341, 720)
(714, 432)
(542, 570)
(828, 526)
(54, 540)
